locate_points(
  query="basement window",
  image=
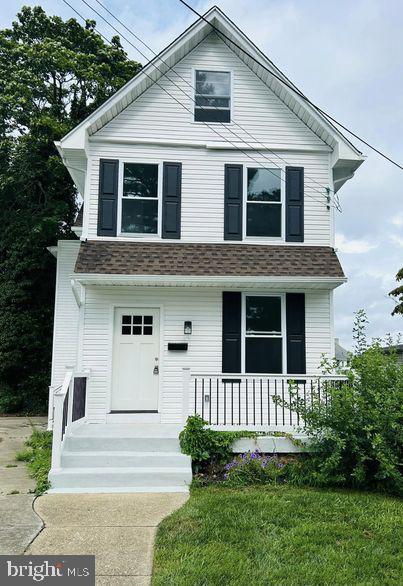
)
(213, 96)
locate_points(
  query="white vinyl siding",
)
(254, 106)
(202, 215)
(65, 328)
(203, 307)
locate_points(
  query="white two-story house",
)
(202, 280)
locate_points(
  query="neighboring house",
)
(206, 247)
(340, 353)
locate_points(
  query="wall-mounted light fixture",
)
(187, 327)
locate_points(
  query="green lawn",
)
(281, 536)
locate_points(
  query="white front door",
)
(136, 346)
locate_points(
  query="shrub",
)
(356, 439)
(38, 458)
(254, 468)
(205, 445)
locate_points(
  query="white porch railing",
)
(69, 410)
(253, 400)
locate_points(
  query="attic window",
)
(213, 96)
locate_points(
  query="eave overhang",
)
(229, 282)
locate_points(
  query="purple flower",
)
(225, 476)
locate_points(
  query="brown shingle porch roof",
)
(166, 258)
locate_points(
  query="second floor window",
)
(264, 203)
(140, 199)
(213, 96)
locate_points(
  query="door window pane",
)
(140, 180)
(263, 315)
(140, 216)
(263, 219)
(263, 355)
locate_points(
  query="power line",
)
(311, 179)
(326, 201)
(293, 88)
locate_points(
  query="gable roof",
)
(181, 46)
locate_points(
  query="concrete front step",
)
(107, 459)
(121, 444)
(120, 478)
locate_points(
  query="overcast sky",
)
(348, 58)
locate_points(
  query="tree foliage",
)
(398, 294)
(53, 73)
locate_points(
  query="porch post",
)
(58, 401)
(50, 408)
(185, 394)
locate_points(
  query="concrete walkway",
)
(119, 529)
(19, 524)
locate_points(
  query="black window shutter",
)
(171, 200)
(108, 197)
(233, 181)
(294, 198)
(231, 332)
(296, 356)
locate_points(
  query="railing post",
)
(58, 401)
(70, 403)
(185, 394)
(50, 408)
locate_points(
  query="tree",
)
(398, 293)
(53, 73)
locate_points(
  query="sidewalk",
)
(19, 523)
(119, 529)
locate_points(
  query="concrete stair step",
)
(126, 459)
(121, 444)
(120, 478)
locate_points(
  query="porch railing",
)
(253, 399)
(69, 408)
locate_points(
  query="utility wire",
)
(292, 87)
(174, 98)
(311, 179)
(326, 201)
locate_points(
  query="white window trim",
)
(193, 102)
(282, 296)
(159, 200)
(281, 202)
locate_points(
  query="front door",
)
(136, 345)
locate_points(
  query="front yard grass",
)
(281, 535)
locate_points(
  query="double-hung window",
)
(264, 334)
(213, 96)
(264, 203)
(140, 199)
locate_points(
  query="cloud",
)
(352, 246)
(397, 220)
(396, 239)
